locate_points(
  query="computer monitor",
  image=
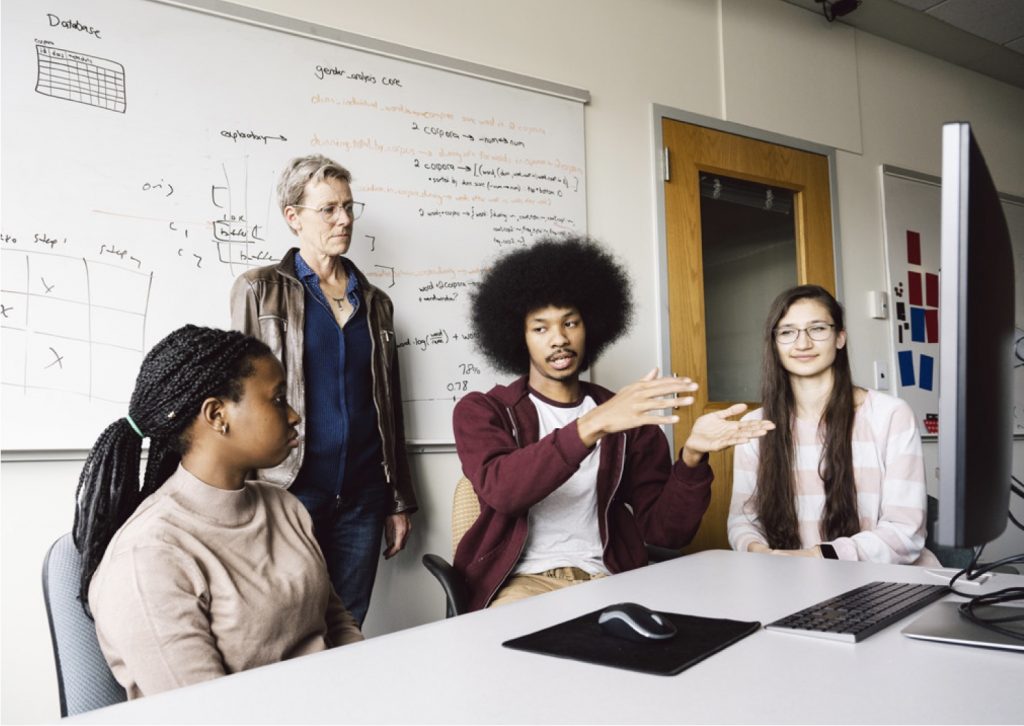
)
(976, 338)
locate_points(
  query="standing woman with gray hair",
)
(334, 334)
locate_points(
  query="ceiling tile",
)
(1000, 21)
(920, 4)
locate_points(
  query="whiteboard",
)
(912, 208)
(141, 146)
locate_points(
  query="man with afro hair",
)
(573, 479)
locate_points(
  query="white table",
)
(456, 671)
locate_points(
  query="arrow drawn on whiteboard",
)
(392, 269)
(372, 239)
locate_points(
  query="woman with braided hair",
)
(199, 573)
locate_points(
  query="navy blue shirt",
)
(343, 447)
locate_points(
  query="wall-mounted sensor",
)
(878, 304)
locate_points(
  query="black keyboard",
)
(856, 614)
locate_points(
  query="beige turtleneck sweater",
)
(201, 582)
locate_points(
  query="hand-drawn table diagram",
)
(79, 77)
(125, 221)
(71, 324)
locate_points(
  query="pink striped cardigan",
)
(889, 476)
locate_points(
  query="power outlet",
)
(881, 375)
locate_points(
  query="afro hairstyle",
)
(555, 271)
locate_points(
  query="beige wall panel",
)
(791, 72)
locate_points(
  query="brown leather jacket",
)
(268, 303)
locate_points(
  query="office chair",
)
(84, 679)
(465, 510)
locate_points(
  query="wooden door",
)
(694, 151)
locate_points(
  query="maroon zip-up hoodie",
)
(496, 435)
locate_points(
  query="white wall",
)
(767, 65)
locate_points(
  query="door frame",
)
(659, 112)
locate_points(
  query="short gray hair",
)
(300, 171)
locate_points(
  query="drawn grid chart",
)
(79, 77)
(71, 325)
(166, 193)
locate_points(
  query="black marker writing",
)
(43, 239)
(80, 78)
(236, 135)
(261, 256)
(322, 71)
(72, 25)
(391, 270)
(169, 189)
(58, 359)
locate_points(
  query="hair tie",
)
(135, 427)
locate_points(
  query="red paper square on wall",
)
(931, 289)
(914, 288)
(931, 326)
(913, 247)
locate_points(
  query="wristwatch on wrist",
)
(828, 551)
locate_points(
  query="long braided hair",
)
(775, 497)
(177, 375)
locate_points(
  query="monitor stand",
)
(943, 622)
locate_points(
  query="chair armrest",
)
(452, 583)
(661, 554)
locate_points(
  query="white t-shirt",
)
(563, 527)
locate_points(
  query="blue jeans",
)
(349, 531)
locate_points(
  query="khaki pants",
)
(519, 587)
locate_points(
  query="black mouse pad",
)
(583, 639)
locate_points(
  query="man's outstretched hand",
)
(638, 404)
(714, 432)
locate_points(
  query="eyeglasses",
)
(818, 331)
(330, 212)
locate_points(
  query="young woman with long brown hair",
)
(845, 478)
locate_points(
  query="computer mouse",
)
(631, 621)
